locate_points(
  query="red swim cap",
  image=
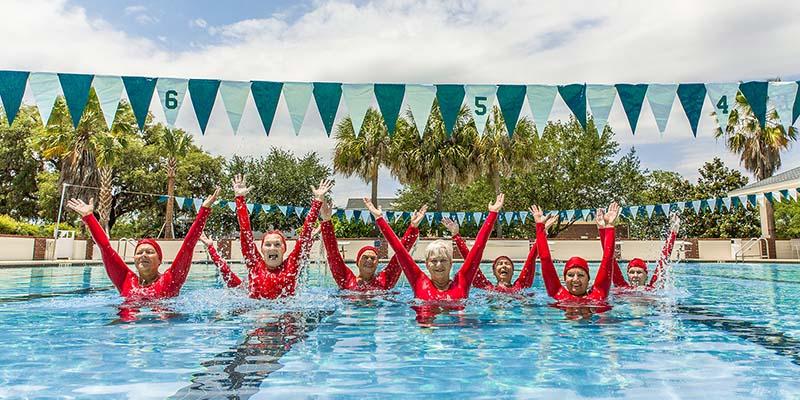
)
(494, 263)
(151, 242)
(365, 249)
(576, 262)
(274, 232)
(637, 263)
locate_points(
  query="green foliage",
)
(19, 165)
(787, 220)
(10, 226)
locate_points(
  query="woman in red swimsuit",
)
(637, 268)
(149, 283)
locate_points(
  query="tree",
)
(174, 144)
(108, 148)
(19, 165)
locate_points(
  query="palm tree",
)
(363, 155)
(175, 144)
(759, 149)
(107, 148)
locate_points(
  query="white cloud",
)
(198, 22)
(129, 10)
(428, 41)
(139, 13)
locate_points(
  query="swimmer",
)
(439, 259)
(230, 279)
(367, 257)
(637, 268)
(269, 275)
(147, 257)
(576, 270)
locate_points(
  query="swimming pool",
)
(726, 330)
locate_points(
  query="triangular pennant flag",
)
(510, 98)
(600, 99)
(250, 207)
(634, 211)
(12, 88)
(76, 93)
(232, 206)
(163, 198)
(587, 214)
(782, 96)
(769, 197)
(726, 202)
(508, 216)
(450, 99)
(632, 97)
(348, 214)
(784, 194)
(665, 208)
(187, 202)
(756, 95)
(696, 205)
(523, 215)
(480, 99)
(712, 203)
(257, 208)
(390, 215)
(179, 201)
(266, 96)
(44, 86)
(406, 215)
(649, 209)
(109, 91)
(298, 211)
(660, 97)
(476, 217)
(681, 205)
(540, 99)
(575, 97)
(284, 210)
(723, 97)
(793, 193)
(756, 199)
(297, 96)
(570, 215)
(234, 97)
(429, 217)
(776, 196)
(140, 94)
(203, 93)
(692, 97)
(743, 201)
(578, 214)
(390, 99)
(171, 93)
(460, 216)
(420, 101)
(327, 95)
(358, 98)
(366, 217)
(197, 204)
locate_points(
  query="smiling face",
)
(577, 281)
(367, 265)
(273, 250)
(503, 270)
(147, 262)
(637, 276)
(439, 266)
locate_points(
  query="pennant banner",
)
(390, 99)
(171, 92)
(600, 99)
(109, 91)
(45, 88)
(357, 98)
(660, 97)
(540, 99)
(480, 99)
(234, 97)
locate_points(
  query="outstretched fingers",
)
(376, 212)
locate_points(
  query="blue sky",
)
(463, 41)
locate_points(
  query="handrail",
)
(748, 245)
(127, 241)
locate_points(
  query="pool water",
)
(724, 330)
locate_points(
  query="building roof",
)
(387, 204)
(789, 179)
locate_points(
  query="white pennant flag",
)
(348, 214)
(508, 216)
(649, 209)
(634, 211)
(297, 96)
(234, 97)
(781, 96)
(420, 100)
(723, 97)
(540, 99)
(429, 217)
(776, 196)
(171, 93)
(696, 205)
(476, 217)
(523, 215)
(665, 209)
(600, 98)
(682, 205)
(358, 97)
(298, 211)
(365, 217)
(197, 204)
(45, 87)
(712, 203)
(726, 202)
(743, 201)
(250, 207)
(793, 194)
(109, 91)
(284, 210)
(660, 97)
(570, 215)
(232, 206)
(480, 99)
(179, 201)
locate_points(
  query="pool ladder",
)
(125, 242)
(739, 256)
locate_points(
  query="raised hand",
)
(550, 220)
(674, 223)
(600, 218)
(538, 214)
(418, 215)
(326, 212)
(324, 186)
(451, 225)
(376, 212)
(611, 214)
(80, 207)
(206, 240)
(240, 187)
(498, 203)
(210, 200)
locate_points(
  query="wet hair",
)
(439, 248)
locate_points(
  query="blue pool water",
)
(725, 331)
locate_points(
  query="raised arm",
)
(230, 279)
(300, 251)
(116, 269)
(602, 282)
(389, 276)
(525, 279)
(480, 282)
(666, 251)
(466, 275)
(339, 270)
(407, 263)
(617, 278)
(252, 256)
(551, 280)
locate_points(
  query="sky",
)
(416, 42)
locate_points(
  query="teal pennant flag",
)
(420, 102)
(756, 95)
(76, 93)
(723, 97)
(600, 99)
(510, 99)
(44, 86)
(140, 94)
(480, 99)
(782, 96)
(109, 92)
(692, 96)
(266, 96)
(660, 97)
(203, 93)
(450, 99)
(234, 98)
(632, 97)
(358, 97)
(327, 96)
(171, 93)
(575, 97)
(12, 88)
(390, 99)
(540, 99)
(297, 96)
